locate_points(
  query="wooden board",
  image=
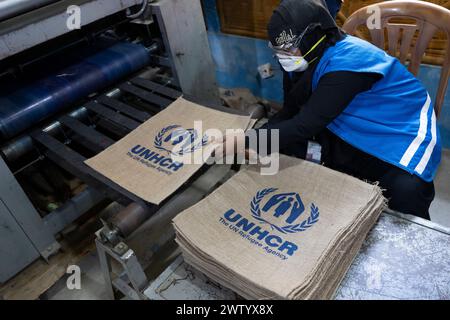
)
(250, 18)
(246, 17)
(38, 277)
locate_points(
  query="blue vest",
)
(395, 120)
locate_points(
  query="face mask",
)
(292, 63)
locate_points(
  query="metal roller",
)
(29, 105)
(130, 218)
(12, 8)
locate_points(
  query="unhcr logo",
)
(281, 212)
(286, 208)
(178, 141)
(170, 142)
(154, 160)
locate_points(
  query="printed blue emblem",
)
(179, 141)
(286, 208)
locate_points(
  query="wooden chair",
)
(427, 18)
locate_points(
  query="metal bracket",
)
(132, 281)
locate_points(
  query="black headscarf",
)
(334, 6)
(290, 19)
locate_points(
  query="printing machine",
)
(66, 95)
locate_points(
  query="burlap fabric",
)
(289, 236)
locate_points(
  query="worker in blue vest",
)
(372, 118)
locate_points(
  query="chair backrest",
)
(427, 19)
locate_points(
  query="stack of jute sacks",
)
(292, 235)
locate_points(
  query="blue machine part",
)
(31, 104)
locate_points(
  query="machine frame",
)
(27, 235)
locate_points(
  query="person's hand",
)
(230, 146)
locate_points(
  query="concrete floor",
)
(92, 279)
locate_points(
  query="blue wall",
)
(237, 59)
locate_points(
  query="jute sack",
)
(158, 157)
(288, 236)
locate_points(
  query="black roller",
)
(29, 105)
